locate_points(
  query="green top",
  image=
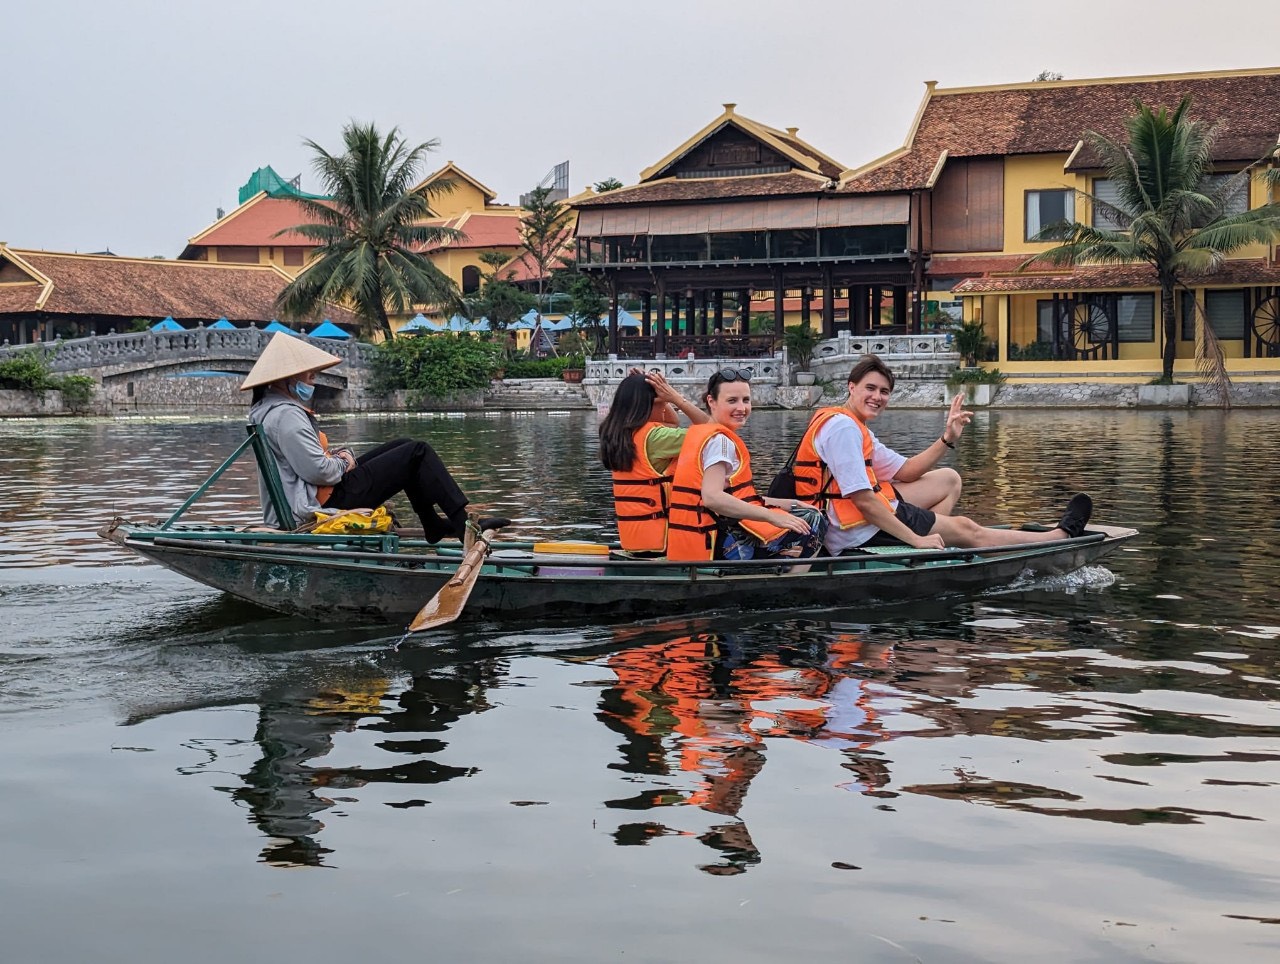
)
(662, 445)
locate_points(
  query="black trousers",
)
(408, 466)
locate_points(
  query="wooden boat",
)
(389, 577)
(386, 577)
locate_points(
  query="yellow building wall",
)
(1033, 172)
(463, 198)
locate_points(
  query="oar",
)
(446, 605)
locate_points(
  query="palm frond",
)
(1211, 361)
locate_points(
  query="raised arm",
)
(919, 464)
(668, 394)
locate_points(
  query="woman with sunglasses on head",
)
(639, 441)
(716, 512)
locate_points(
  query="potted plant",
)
(572, 346)
(971, 342)
(801, 340)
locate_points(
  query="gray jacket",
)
(294, 439)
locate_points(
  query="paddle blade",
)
(447, 605)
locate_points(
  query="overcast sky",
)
(127, 123)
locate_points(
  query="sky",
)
(127, 124)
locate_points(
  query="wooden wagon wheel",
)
(1266, 322)
(1090, 326)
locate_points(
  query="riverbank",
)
(219, 396)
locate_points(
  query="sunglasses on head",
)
(735, 374)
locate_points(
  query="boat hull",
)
(392, 587)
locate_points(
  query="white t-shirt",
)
(720, 448)
(839, 444)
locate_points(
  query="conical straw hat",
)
(284, 357)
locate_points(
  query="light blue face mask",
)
(303, 392)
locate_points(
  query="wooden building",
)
(741, 210)
(994, 165)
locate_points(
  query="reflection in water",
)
(705, 705)
(290, 783)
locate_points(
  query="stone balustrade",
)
(168, 347)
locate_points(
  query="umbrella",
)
(421, 322)
(167, 324)
(527, 320)
(328, 330)
(458, 323)
(276, 326)
(625, 319)
(222, 323)
(480, 324)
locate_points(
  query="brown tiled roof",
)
(1107, 276)
(1052, 116)
(149, 288)
(941, 266)
(484, 231)
(710, 188)
(255, 223)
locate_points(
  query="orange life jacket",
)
(693, 528)
(814, 482)
(641, 497)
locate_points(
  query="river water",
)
(1079, 769)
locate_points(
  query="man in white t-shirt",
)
(919, 512)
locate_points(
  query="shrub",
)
(976, 376)
(537, 368)
(1034, 351)
(437, 366)
(27, 371)
(77, 391)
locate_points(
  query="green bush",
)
(436, 366)
(27, 371)
(77, 391)
(1034, 351)
(537, 368)
(976, 376)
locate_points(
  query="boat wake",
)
(1087, 577)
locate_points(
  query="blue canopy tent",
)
(421, 323)
(480, 324)
(222, 324)
(167, 324)
(526, 322)
(276, 326)
(458, 323)
(625, 319)
(327, 329)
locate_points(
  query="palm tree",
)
(369, 233)
(1167, 213)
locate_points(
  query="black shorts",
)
(918, 520)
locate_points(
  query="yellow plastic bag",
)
(353, 520)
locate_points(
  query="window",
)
(1136, 317)
(1237, 201)
(1044, 321)
(1225, 311)
(1105, 189)
(294, 257)
(470, 279)
(1045, 208)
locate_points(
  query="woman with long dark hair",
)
(639, 439)
(716, 512)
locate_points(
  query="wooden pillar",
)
(859, 305)
(744, 311)
(613, 317)
(703, 298)
(900, 306)
(779, 308)
(646, 318)
(806, 294)
(828, 304)
(660, 337)
(690, 312)
(718, 310)
(676, 302)
(877, 305)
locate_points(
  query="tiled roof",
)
(1052, 116)
(945, 267)
(484, 230)
(1101, 277)
(147, 288)
(710, 188)
(255, 223)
